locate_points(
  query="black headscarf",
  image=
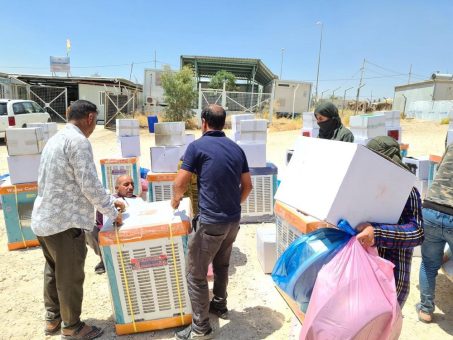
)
(327, 129)
(389, 148)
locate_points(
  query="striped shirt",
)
(396, 242)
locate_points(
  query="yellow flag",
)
(68, 45)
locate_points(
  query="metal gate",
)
(53, 99)
(235, 101)
(118, 106)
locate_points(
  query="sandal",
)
(93, 334)
(52, 327)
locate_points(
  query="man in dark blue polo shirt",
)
(224, 182)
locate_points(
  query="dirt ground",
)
(257, 310)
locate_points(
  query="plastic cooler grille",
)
(286, 234)
(153, 290)
(261, 199)
(162, 191)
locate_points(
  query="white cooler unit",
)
(160, 186)
(113, 168)
(291, 224)
(145, 264)
(259, 206)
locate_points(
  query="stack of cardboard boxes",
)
(128, 136)
(19, 191)
(366, 127)
(310, 127)
(251, 135)
(392, 124)
(171, 142)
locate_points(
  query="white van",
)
(17, 113)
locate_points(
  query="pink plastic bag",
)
(354, 297)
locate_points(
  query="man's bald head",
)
(124, 186)
(214, 116)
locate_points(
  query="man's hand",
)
(119, 219)
(175, 203)
(119, 205)
(366, 234)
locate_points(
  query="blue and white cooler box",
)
(259, 206)
(113, 168)
(17, 201)
(145, 264)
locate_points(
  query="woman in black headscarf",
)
(330, 126)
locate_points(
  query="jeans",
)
(438, 229)
(210, 243)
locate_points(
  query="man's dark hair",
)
(80, 109)
(215, 116)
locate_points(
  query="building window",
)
(101, 98)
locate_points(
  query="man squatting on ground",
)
(124, 187)
(224, 182)
(68, 192)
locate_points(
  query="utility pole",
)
(333, 92)
(155, 61)
(344, 98)
(319, 60)
(130, 74)
(281, 64)
(410, 73)
(359, 87)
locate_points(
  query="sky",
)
(107, 36)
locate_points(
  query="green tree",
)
(221, 76)
(179, 93)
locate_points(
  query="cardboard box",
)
(310, 132)
(127, 127)
(189, 138)
(48, 129)
(170, 133)
(361, 140)
(392, 118)
(236, 136)
(236, 121)
(367, 126)
(332, 180)
(253, 125)
(309, 120)
(23, 169)
(266, 248)
(418, 166)
(253, 137)
(165, 158)
(255, 153)
(129, 146)
(24, 141)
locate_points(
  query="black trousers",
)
(64, 274)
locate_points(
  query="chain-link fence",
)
(236, 101)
